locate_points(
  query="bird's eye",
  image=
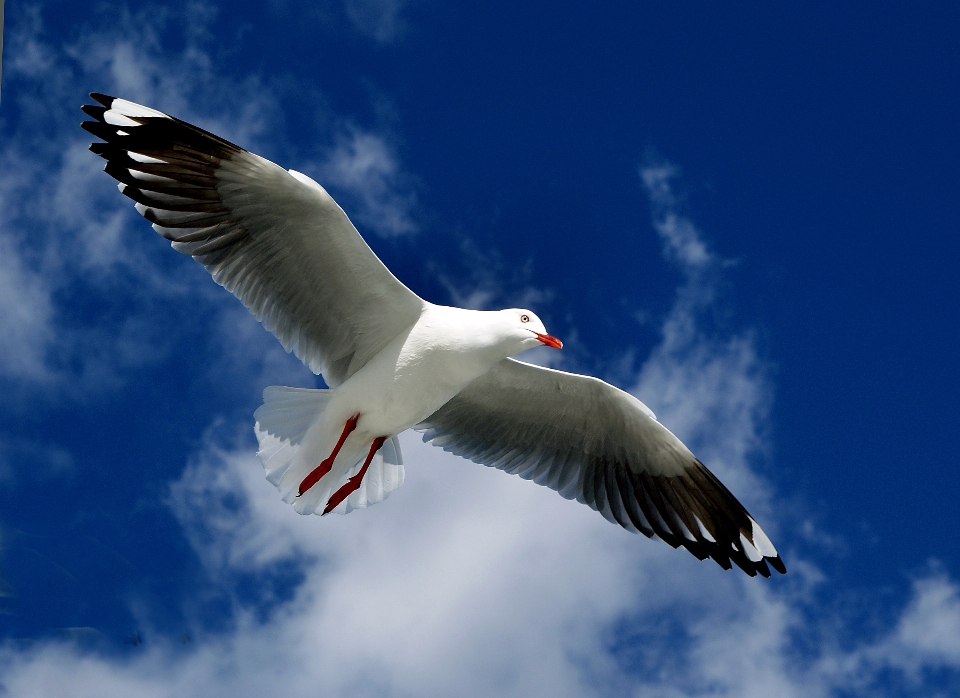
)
(524, 318)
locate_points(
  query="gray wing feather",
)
(273, 238)
(594, 443)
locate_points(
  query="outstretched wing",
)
(590, 441)
(273, 238)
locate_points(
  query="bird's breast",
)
(409, 380)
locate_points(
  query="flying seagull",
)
(393, 361)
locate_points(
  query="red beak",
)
(550, 341)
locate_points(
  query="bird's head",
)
(526, 330)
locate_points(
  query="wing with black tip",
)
(592, 442)
(274, 238)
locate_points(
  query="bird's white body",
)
(408, 380)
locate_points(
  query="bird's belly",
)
(408, 400)
(396, 395)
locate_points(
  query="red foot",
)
(314, 477)
(353, 484)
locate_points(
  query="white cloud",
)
(487, 283)
(928, 633)
(66, 232)
(465, 583)
(64, 229)
(924, 640)
(680, 235)
(26, 312)
(701, 384)
(363, 165)
(381, 20)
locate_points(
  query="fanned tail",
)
(384, 474)
(282, 422)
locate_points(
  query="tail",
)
(284, 419)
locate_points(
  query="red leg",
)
(353, 484)
(314, 477)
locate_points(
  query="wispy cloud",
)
(26, 312)
(487, 283)
(702, 382)
(925, 639)
(66, 233)
(64, 230)
(366, 169)
(381, 20)
(681, 238)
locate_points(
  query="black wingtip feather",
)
(100, 130)
(94, 111)
(105, 100)
(91, 127)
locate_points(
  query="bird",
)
(392, 361)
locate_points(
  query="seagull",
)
(279, 242)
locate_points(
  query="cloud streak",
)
(381, 20)
(363, 165)
(65, 233)
(701, 382)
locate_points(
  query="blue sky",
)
(746, 216)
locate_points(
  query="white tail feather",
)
(284, 419)
(384, 474)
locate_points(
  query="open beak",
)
(550, 341)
